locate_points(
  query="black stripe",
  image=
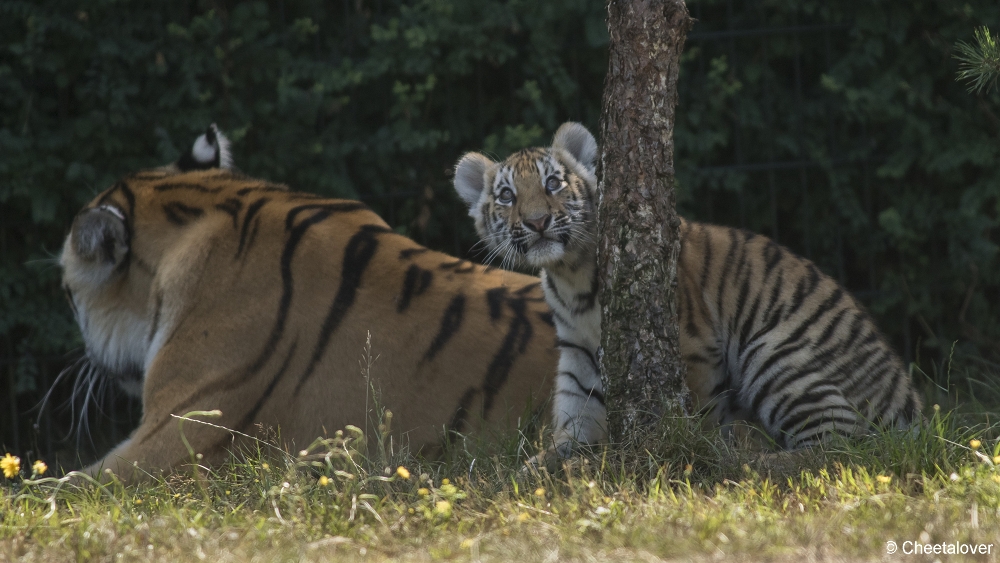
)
(773, 254)
(589, 298)
(339, 207)
(451, 321)
(809, 420)
(249, 418)
(494, 299)
(727, 264)
(690, 327)
(587, 391)
(831, 327)
(706, 266)
(696, 359)
(461, 415)
(179, 214)
(740, 304)
(410, 253)
(499, 368)
(828, 304)
(555, 292)
(357, 255)
(775, 357)
(567, 344)
(156, 316)
(546, 317)
(790, 401)
(261, 188)
(129, 199)
(72, 304)
(528, 288)
(417, 281)
(294, 238)
(232, 206)
(186, 186)
(804, 288)
(457, 266)
(251, 211)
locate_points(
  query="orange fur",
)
(201, 319)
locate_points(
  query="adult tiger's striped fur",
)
(766, 336)
(207, 289)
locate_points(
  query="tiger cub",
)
(767, 338)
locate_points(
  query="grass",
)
(679, 492)
(682, 494)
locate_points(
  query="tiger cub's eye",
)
(553, 184)
(506, 196)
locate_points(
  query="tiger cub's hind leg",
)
(806, 412)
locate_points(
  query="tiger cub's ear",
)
(210, 150)
(470, 179)
(578, 142)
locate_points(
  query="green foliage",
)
(979, 64)
(836, 127)
(371, 100)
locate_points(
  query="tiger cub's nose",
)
(539, 225)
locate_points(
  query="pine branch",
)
(979, 64)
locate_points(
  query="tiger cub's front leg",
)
(578, 410)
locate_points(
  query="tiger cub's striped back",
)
(766, 336)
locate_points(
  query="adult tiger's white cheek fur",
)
(116, 339)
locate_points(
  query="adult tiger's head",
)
(108, 282)
(539, 205)
(199, 288)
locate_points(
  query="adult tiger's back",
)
(208, 289)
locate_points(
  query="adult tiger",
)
(766, 336)
(198, 288)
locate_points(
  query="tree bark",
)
(639, 245)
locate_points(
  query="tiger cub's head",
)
(539, 205)
(108, 269)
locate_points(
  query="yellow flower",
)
(884, 479)
(539, 492)
(324, 481)
(974, 444)
(423, 491)
(39, 467)
(523, 517)
(265, 466)
(996, 460)
(11, 465)
(443, 508)
(467, 543)
(445, 481)
(403, 472)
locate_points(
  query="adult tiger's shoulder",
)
(765, 335)
(199, 288)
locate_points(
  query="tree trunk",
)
(637, 255)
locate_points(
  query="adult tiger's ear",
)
(99, 237)
(470, 179)
(210, 150)
(578, 142)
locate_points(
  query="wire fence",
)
(769, 176)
